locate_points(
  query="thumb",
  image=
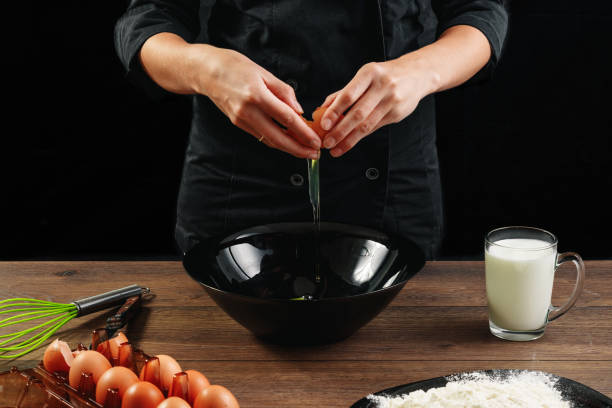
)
(284, 92)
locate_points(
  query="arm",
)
(153, 40)
(460, 52)
(387, 92)
(146, 18)
(250, 96)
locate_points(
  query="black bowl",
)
(291, 284)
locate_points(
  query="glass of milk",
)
(520, 265)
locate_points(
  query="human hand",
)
(379, 94)
(255, 101)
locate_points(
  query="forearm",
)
(251, 97)
(171, 62)
(459, 53)
(387, 92)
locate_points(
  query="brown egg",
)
(88, 361)
(174, 402)
(197, 382)
(167, 368)
(120, 378)
(142, 394)
(215, 396)
(58, 357)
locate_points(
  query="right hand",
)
(253, 99)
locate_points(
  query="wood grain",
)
(436, 326)
(442, 283)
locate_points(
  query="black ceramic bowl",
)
(289, 284)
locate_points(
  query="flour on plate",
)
(518, 389)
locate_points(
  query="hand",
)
(255, 101)
(379, 94)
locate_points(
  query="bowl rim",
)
(356, 230)
(305, 301)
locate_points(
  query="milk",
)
(519, 280)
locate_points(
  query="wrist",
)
(196, 67)
(203, 67)
(428, 78)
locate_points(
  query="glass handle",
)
(556, 312)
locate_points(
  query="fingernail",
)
(336, 152)
(330, 142)
(326, 124)
(315, 143)
(299, 108)
(314, 155)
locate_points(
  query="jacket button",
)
(296, 179)
(293, 83)
(372, 173)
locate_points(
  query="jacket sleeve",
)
(488, 16)
(145, 18)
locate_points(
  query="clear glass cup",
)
(520, 265)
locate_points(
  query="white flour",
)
(519, 389)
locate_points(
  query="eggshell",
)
(58, 357)
(116, 377)
(316, 121)
(174, 402)
(88, 361)
(142, 394)
(115, 342)
(167, 368)
(215, 396)
(197, 382)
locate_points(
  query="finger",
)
(283, 92)
(358, 113)
(287, 117)
(270, 141)
(330, 98)
(345, 98)
(388, 119)
(373, 122)
(249, 129)
(261, 138)
(278, 138)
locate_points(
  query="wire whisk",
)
(23, 310)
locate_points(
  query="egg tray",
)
(38, 388)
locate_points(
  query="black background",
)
(93, 165)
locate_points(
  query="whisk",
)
(26, 310)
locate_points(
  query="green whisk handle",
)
(108, 299)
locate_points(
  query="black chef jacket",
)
(389, 181)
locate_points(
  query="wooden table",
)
(436, 326)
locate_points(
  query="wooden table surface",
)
(436, 326)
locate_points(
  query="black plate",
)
(578, 394)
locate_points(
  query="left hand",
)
(380, 93)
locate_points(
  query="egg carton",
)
(37, 388)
